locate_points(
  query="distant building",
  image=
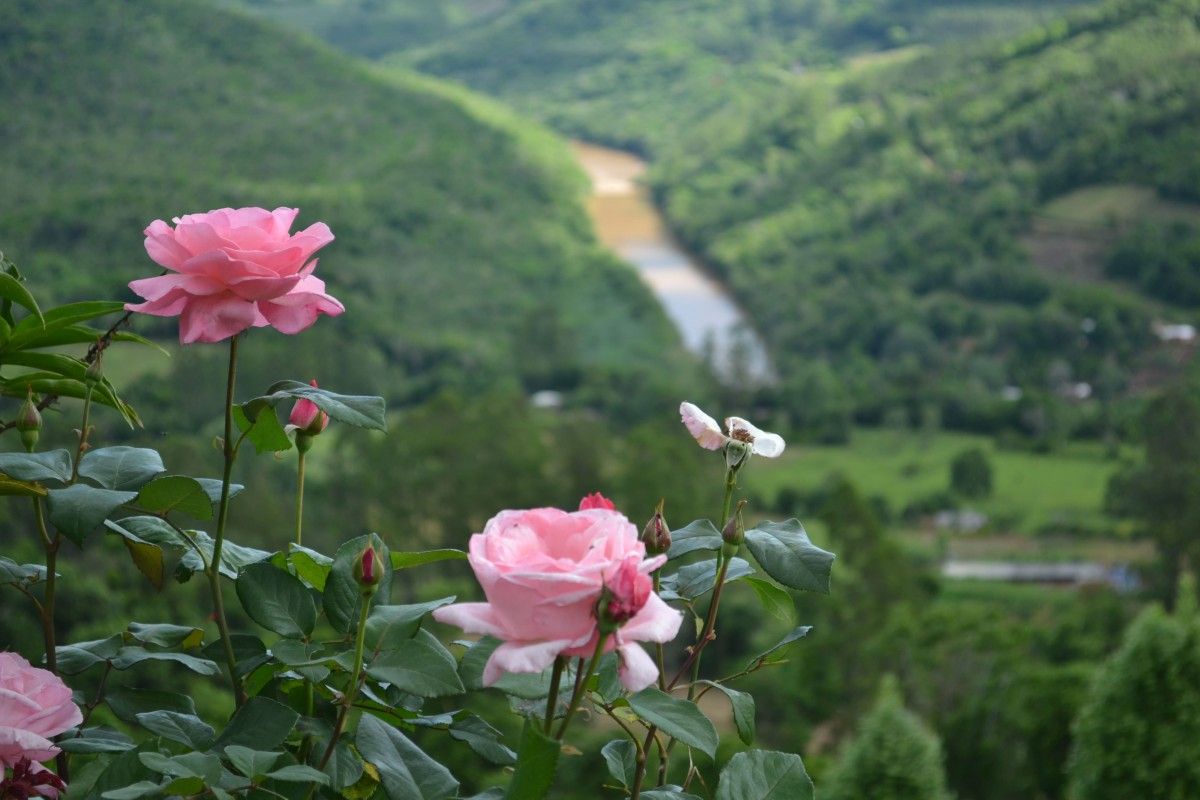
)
(547, 398)
(959, 521)
(1175, 332)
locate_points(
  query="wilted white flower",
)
(708, 433)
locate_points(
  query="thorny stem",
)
(552, 698)
(214, 568)
(581, 684)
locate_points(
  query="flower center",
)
(741, 435)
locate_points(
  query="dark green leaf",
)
(764, 775)
(212, 488)
(262, 723)
(421, 667)
(121, 467)
(60, 317)
(621, 757)
(122, 770)
(78, 510)
(407, 560)
(537, 760)
(676, 717)
(483, 739)
(527, 686)
(795, 635)
(187, 729)
(75, 658)
(743, 710)
(13, 290)
(390, 626)
(356, 410)
(53, 465)
(342, 594)
(299, 773)
(311, 567)
(696, 580)
(783, 549)
(126, 657)
(698, 535)
(277, 600)
(344, 767)
(11, 487)
(669, 792)
(127, 703)
(251, 763)
(97, 740)
(134, 790)
(167, 635)
(149, 559)
(169, 493)
(24, 574)
(248, 650)
(406, 772)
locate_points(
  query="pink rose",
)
(596, 500)
(543, 572)
(307, 417)
(629, 590)
(34, 706)
(232, 269)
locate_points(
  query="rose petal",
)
(476, 618)
(704, 429)
(637, 669)
(765, 444)
(214, 318)
(521, 657)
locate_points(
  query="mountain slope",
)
(463, 254)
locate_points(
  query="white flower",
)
(706, 431)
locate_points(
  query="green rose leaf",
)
(54, 465)
(277, 600)
(127, 703)
(406, 772)
(342, 594)
(80, 509)
(11, 487)
(75, 658)
(743, 710)
(784, 551)
(669, 792)
(358, 410)
(167, 635)
(676, 717)
(175, 493)
(390, 626)
(483, 739)
(795, 635)
(765, 775)
(126, 657)
(13, 290)
(311, 567)
(265, 432)
(422, 667)
(621, 757)
(698, 535)
(775, 601)
(260, 723)
(97, 740)
(123, 468)
(187, 729)
(526, 686)
(407, 560)
(299, 773)
(134, 791)
(251, 763)
(696, 580)
(537, 760)
(22, 574)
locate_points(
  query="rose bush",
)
(543, 572)
(235, 268)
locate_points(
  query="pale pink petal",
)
(214, 318)
(475, 618)
(637, 669)
(55, 718)
(765, 444)
(170, 305)
(656, 622)
(521, 657)
(299, 308)
(16, 744)
(702, 427)
(158, 287)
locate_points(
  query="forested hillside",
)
(877, 218)
(445, 212)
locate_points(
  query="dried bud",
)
(367, 570)
(306, 418)
(656, 535)
(735, 530)
(29, 422)
(596, 500)
(625, 592)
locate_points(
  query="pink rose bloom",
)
(596, 500)
(629, 590)
(34, 707)
(232, 269)
(543, 571)
(306, 416)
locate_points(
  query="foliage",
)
(1126, 743)
(971, 474)
(894, 756)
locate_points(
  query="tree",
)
(1164, 491)
(1138, 733)
(971, 474)
(894, 757)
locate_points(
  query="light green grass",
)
(1031, 492)
(1122, 204)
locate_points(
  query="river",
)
(710, 323)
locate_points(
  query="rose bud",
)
(656, 535)
(29, 422)
(734, 532)
(596, 500)
(95, 370)
(367, 570)
(307, 420)
(624, 594)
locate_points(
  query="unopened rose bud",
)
(735, 531)
(656, 535)
(307, 420)
(367, 570)
(625, 592)
(29, 422)
(596, 500)
(737, 453)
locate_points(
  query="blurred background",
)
(949, 249)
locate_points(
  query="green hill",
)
(878, 216)
(463, 253)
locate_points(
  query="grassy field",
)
(1032, 493)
